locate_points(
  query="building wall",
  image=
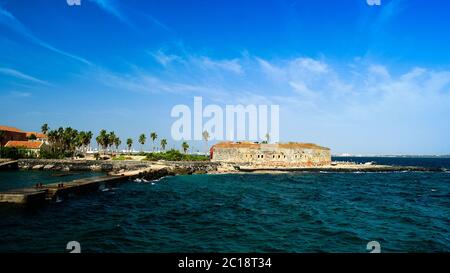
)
(10, 135)
(272, 155)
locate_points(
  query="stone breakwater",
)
(115, 166)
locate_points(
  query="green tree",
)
(111, 139)
(267, 138)
(142, 139)
(45, 128)
(87, 140)
(63, 142)
(129, 144)
(205, 135)
(117, 143)
(153, 136)
(185, 146)
(103, 140)
(32, 137)
(163, 144)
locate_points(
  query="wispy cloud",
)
(10, 21)
(163, 58)
(357, 103)
(111, 7)
(20, 75)
(198, 62)
(20, 94)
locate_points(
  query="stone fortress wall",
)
(271, 155)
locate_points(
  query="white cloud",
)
(163, 58)
(341, 106)
(20, 75)
(227, 65)
(8, 20)
(20, 94)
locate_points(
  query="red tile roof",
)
(24, 144)
(38, 135)
(252, 145)
(11, 129)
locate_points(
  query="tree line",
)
(68, 142)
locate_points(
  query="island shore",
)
(203, 167)
(118, 171)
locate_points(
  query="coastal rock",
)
(38, 167)
(96, 168)
(49, 167)
(156, 174)
(182, 171)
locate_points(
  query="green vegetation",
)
(45, 128)
(15, 153)
(267, 139)
(153, 136)
(174, 155)
(65, 142)
(122, 157)
(163, 144)
(142, 139)
(205, 136)
(107, 141)
(32, 137)
(185, 146)
(129, 144)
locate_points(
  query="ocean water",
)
(22, 179)
(295, 212)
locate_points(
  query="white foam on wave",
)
(140, 180)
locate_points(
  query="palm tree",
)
(103, 140)
(163, 144)
(205, 135)
(44, 128)
(153, 136)
(98, 139)
(111, 139)
(267, 137)
(87, 140)
(185, 146)
(117, 143)
(142, 139)
(129, 144)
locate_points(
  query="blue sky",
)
(356, 78)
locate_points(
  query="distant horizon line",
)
(391, 155)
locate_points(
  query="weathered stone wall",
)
(271, 155)
(99, 165)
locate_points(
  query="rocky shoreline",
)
(110, 166)
(200, 167)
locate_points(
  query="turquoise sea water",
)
(298, 212)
